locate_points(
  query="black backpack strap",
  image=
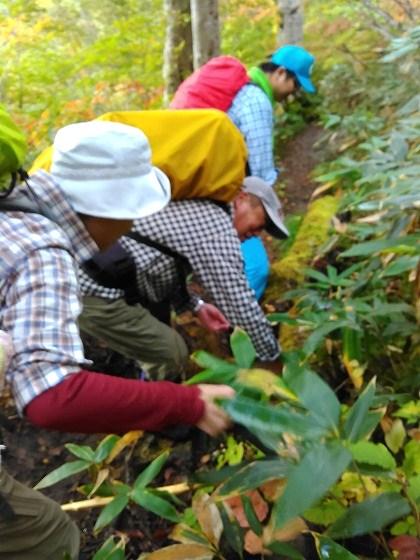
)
(115, 268)
(158, 246)
(183, 267)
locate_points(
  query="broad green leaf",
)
(371, 247)
(405, 527)
(62, 472)
(371, 515)
(242, 348)
(217, 370)
(285, 550)
(183, 533)
(215, 477)
(410, 411)
(411, 464)
(398, 146)
(330, 550)
(233, 532)
(396, 436)
(111, 511)
(250, 515)
(102, 476)
(81, 451)
(255, 474)
(151, 472)
(282, 318)
(269, 419)
(372, 419)
(310, 479)
(325, 513)
(318, 335)
(400, 265)
(413, 489)
(317, 397)
(111, 550)
(105, 447)
(358, 413)
(316, 275)
(265, 381)
(157, 505)
(209, 376)
(373, 454)
(208, 361)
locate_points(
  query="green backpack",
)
(12, 152)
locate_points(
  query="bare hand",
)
(214, 420)
(212, 318)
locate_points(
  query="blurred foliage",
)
(361, 302)
(68, 60)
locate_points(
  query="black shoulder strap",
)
(158, 246)
(115, 267)
(182, 265)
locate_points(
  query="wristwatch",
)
(199, 305)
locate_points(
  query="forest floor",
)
(32, 453)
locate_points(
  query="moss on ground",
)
(313, 232)
(287, 273)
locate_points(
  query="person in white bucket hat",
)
(101, 180)
(105, 170)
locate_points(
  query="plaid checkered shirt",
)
(203, 232)
(251, 111)
(39, 295)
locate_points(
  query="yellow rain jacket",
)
(200, 150)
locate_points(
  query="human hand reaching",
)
(212, 318)
(214, 419)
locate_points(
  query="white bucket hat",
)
(105, 170)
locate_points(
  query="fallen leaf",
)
(273, 489)
(208, 517)
(181, 552)
(254, 544)
(288, 532)
(127, 439)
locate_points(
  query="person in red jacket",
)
(101, 180)
(249, 98)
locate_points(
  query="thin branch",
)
(371, 7)
(410, 11)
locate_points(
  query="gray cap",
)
(272, 205)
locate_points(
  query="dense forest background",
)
(66, 60)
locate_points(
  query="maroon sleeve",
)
(90, 402)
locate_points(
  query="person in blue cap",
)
(249, 97)
(285, 72)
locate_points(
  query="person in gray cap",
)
(206, 237)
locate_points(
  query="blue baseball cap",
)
(297, 60)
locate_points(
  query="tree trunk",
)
(291, 27)
(205, 30)
(177, 63)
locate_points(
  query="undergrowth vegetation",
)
(332, 447)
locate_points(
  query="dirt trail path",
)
(297, 161)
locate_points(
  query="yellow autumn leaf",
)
(266, 381)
